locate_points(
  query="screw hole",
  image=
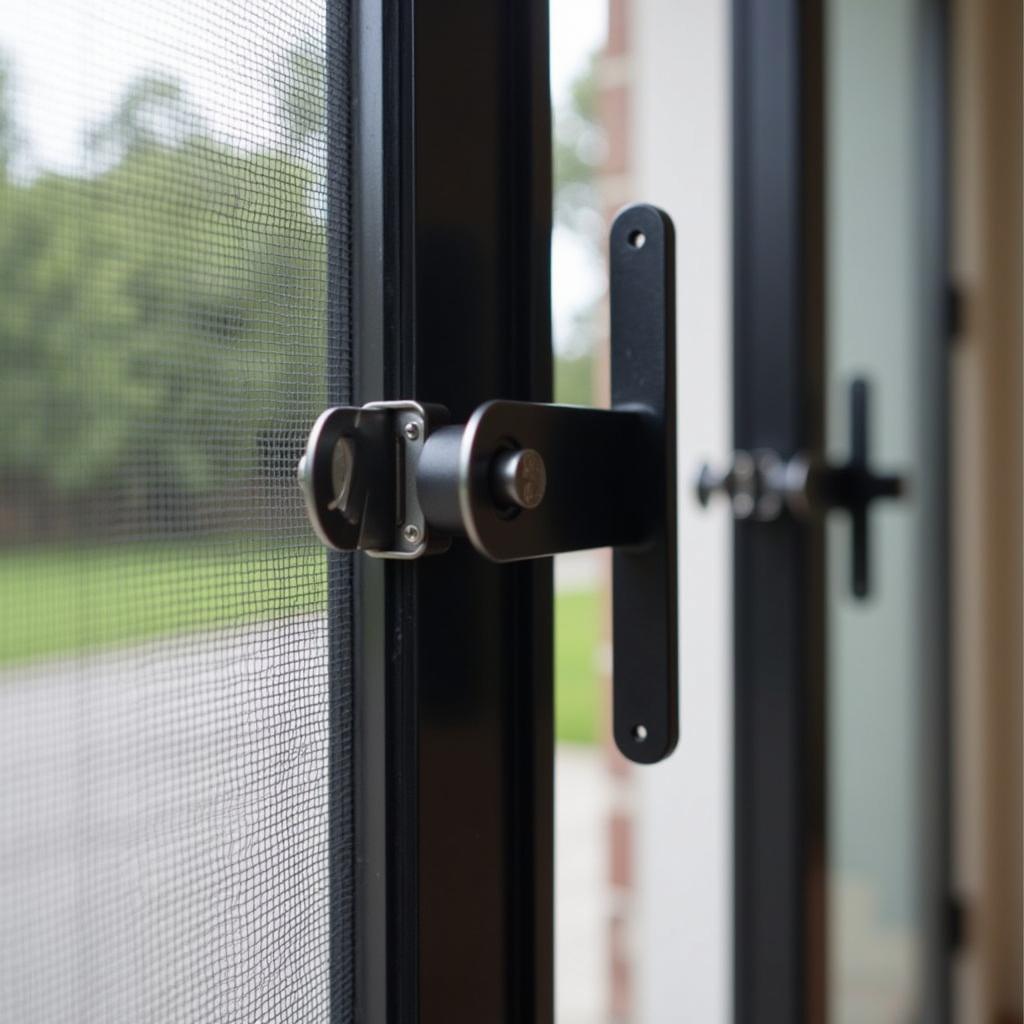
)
(639, 733)
(637, 239)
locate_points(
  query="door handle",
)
(523, 480)
(761, 485)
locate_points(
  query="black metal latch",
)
(524, 480)
(762, 484)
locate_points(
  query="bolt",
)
(412, 533)
(411, 431)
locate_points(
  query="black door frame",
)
(450, 714)
(780, 696)
(778, 567)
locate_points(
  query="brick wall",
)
(615, 188)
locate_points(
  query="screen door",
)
(173, 270)
(242, 780)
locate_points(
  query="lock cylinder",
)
(517, 479)
(437, 479)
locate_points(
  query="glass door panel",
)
(885, 657)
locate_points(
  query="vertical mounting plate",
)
(644, 591)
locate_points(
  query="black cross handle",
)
(761, 485)
(854, 486)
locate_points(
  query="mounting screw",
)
(411, 431)
(412, 532)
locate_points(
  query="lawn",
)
(57, 601)
(578, 698)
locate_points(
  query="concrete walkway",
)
(163, 836)
(581, 886)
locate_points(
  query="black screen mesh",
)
(171, 707)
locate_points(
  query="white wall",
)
(680, 161)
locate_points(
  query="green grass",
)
(577, 681)
(58, 601)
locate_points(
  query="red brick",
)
(618, 21)
(613, 106)
(620, 848)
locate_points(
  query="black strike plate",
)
(525, 480)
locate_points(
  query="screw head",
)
(411, 431)
(411, 533)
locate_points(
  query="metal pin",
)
(520, 478)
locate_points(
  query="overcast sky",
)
(578, 28)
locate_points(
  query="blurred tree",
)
(302, 98)
(9, 135)
(579, 147)
(154, 111)
(145, 305)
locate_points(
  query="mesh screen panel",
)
(173, 714)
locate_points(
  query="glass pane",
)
(878, 671)
(163, 652)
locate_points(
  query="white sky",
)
(578, 28)
(72, 60)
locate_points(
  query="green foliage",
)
(153, 112)
(302, 99)
(9, 136)
(145, 303)
(578, 151)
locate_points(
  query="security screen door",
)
(243, 781)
